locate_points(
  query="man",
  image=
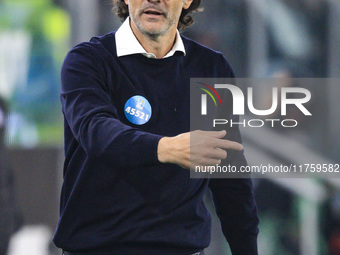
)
(127, 187)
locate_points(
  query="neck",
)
(159, 45)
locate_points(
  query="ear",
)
(126, 2)
(186, 4)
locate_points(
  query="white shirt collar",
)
(127, 43)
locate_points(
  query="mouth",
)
(153, 12)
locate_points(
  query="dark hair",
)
(185, 19)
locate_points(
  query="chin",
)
(153, 31)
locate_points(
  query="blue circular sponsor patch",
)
(138, 110)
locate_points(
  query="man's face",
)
(156, 17)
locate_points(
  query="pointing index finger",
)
(229, 145)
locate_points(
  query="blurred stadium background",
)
(276, 38)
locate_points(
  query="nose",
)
(154, 1)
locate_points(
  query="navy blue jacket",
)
(117, 198)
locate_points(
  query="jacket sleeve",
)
(236, 209)
(92, 117)
(235, 204)
(233, 197)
